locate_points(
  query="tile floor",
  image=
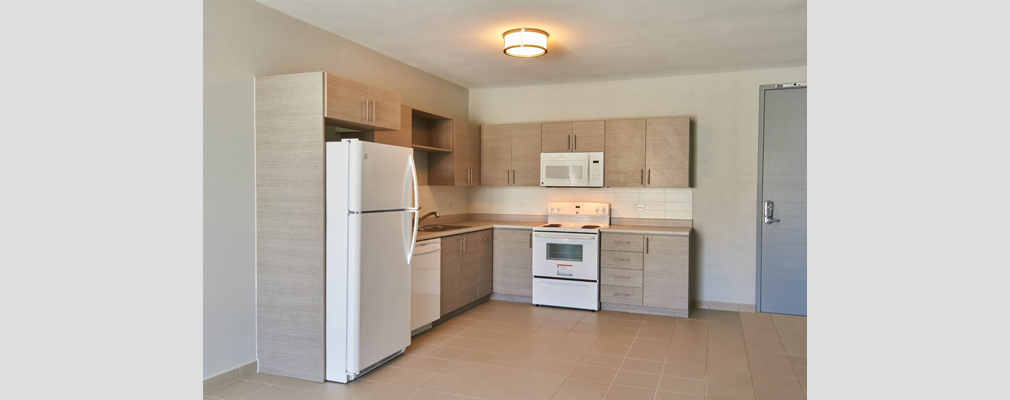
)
(503, 350)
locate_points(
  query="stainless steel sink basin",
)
(439, 228)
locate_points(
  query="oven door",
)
(566, 255)
(564, 169)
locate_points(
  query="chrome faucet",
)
(435, 213)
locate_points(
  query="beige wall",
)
(242, 40)
(724, 114)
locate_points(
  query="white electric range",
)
(566, 255)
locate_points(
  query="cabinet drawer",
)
(621, 259)
(621, 277)
(620, 242)
(621, 295)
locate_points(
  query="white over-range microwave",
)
(571, 169)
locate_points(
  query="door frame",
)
(760, 175)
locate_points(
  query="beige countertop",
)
(648, 230)
(473, 226)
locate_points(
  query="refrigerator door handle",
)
(413, 175)
(415, 209)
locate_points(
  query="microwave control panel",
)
(595, 171)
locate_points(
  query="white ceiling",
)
(593, 40)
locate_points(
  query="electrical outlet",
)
(639, 207)
(452, 204)
(522, 205)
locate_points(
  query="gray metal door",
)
(782, 200)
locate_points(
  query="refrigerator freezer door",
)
(381, 177)
(378, 289)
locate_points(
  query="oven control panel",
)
(571, 208)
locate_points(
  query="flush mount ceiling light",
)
(525, 42)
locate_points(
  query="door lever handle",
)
(770, 212)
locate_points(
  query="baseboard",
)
(452, 314)
(512, 297)
(229, 376)
(668, 312)
(718, 305)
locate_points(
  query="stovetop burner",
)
(552, 226)
(590, 226)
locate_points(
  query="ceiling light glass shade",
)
(525, 42)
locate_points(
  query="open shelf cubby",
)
(430, 132)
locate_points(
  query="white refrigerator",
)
(371, 227)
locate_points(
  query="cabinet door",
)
(588, 136)
(666, 272)
(468, 269)
(526, 154)
(496, 155)
(557, 137)
(385, 109)
(474, 154)
(401, 137)
(624, 155)
(345, 99)
(460, 152)
(485, 264)
(449, 276)
(668, 152)
(513, 261)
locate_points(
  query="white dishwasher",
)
(425, 283)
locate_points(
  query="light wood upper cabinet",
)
(588, 136)
(510, 155)
(624, 153)
(557, 137)
(668, 152)
(474, 155)
(461, 153)
(564, 137)
(385, 108)
(648, 153)
(526, 154)
(345, 99)
(666, 279)
(355, 105)
(400, 137)
(496, 155)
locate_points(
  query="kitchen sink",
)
(439, 228)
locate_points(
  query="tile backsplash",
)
(447, 200)
(656, 203)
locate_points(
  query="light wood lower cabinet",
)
(666, 272)
(513, 261)
(645, 270)
(485, 264)
(462, 264)
(449, 274)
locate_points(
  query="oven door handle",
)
(589, 238)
